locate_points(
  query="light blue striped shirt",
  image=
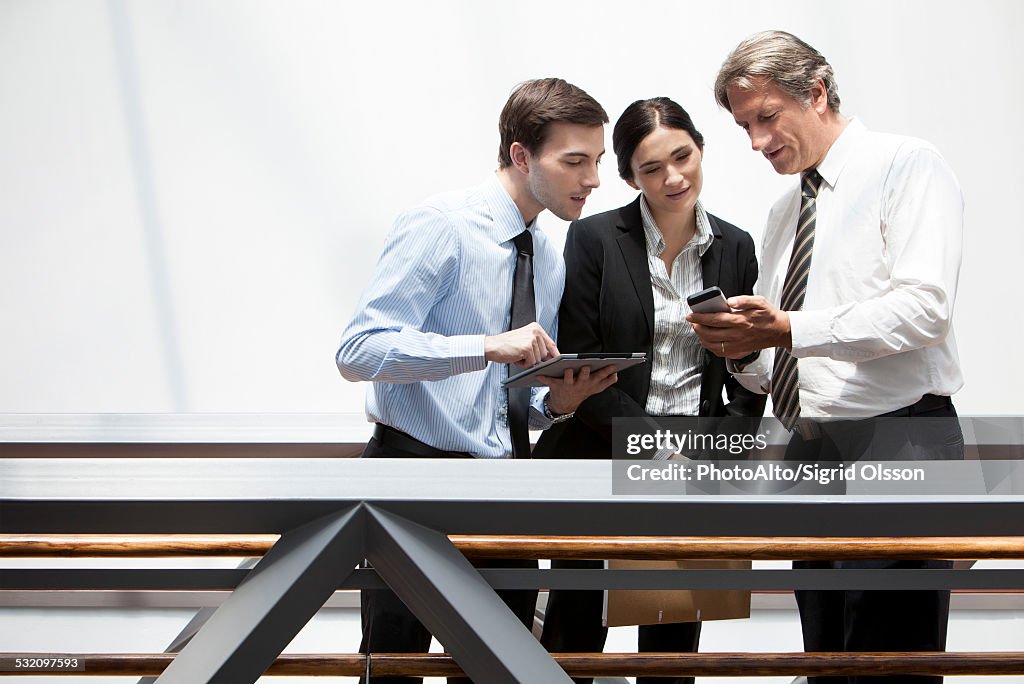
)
(444, 282)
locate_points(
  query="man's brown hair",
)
(535, 104)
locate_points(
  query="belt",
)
(391, 438)
(929, 402)
(811, 429)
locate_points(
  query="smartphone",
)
(710, 300)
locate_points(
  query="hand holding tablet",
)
(556, 367)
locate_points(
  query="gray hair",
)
(793, 65)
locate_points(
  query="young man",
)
(467, 285)
(854, 319)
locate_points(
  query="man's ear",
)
(819, 97)
(631, 184)
(520, 157)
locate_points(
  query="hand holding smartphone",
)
(711, 300)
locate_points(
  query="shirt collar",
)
(507, 220)
(656, 241)
(841, 151)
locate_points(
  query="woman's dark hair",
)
(639, 120)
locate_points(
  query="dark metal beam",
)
(162, 495)
(277, 598)
(454, 602)
(720, 517)
(196, 623)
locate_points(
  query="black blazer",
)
(608, 306)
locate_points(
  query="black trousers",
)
(572, 623)
(878, 620)
(390, 627)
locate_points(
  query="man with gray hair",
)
(852, 318)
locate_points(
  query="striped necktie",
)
(785, 377)
(524, 312)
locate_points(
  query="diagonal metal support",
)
(454, 602)
(196, 623)
(285, 589)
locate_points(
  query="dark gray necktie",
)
(524, 312)
(785, 378)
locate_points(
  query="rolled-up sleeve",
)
(386, 341)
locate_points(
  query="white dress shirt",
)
(875, 332)
(677, 360)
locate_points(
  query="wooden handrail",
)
(134, 545)
(575, 664)
(741, 548)
(488, 546)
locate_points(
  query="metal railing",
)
(315, 519)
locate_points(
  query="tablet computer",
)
(556, 367)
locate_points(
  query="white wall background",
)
(192, 194)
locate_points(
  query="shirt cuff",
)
(466, 353)
(538, 419)
(736, 366)
(756, 375)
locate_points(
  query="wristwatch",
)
(553, 417)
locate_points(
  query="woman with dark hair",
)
(628, 273)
